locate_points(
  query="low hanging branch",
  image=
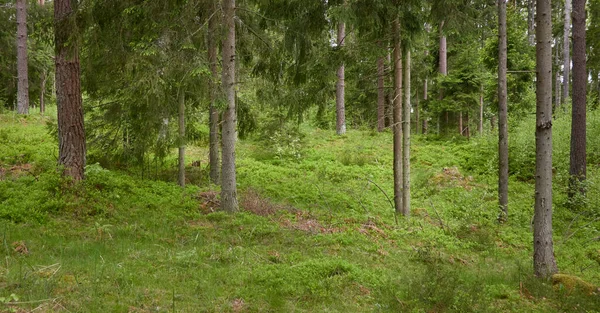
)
(387, 197)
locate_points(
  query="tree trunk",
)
(23, 81)
(181, 139)
(406, 137)
(380, 95)
(229, 201)
(566, 53)
(502, 114)
(544, 264)
(425, 97)
(578, 168)
(397, 124)
(557, 82)
(416, 109)
(214, 91)
(460, 124)
(41, 2)
(71, 133)
(531, 21)
(339, 90)
(480, 126)
(443, 70)
(43, 80)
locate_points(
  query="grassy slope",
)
(324, 239)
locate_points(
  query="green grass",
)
(315, 234)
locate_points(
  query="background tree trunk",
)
(43, 80)
(229, 202)
(502, 114)
(214, 91)
(406, 136)
(566, 52)
(397, 124)
(181, 119)
(544, 264)
(23, 80)
(531, 21)
(71, 134)
(578, 161)
(339, 90)
(380, 95)
(480, 126)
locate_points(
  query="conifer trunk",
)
(502, 114)
(229, 202)
(181, 139)
(531, 21)
(23, 81)
(566, 52)
(340, 88)
(71, 134)
(406, 137)
(380, 95)
(397, 124)
(544, 264)
(214, 91)
(578, 169)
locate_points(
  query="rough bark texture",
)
(502, 114)
(339, 90)
(23, 81)
(397, 124)
(406, 138)
(544, 264)
(557, 82)
(380, 95)
(578, 168)
(566, 52)
(181, 120)
(531, 21)
(229, 202)
(71, 134)
(214, 91)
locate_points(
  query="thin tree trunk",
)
(71, 134)
(339, 91)
(406, 137)
(443, 69)
(480, 125)
(416, 109)
(502, 114)
(544, 264)
(23, 81)
(578, 170)
(380, 95)
(41, 2)
(43, 80)
(229, 202)
(181, 139)
(397, 125)
(566, 52)
(558, 86)
(531, 21)
(214, 91)
(460, 124)
(425, 97)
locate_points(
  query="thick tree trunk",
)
(566, 52)
(23, 81)
(397, 124)
(544, 264)
(229, 202)
(71, 134)
(181, 139)
(531, 21)
(406, 137)
(339, 90)
(502, 114)
(380, 95)
(214, 92)
(578, 168)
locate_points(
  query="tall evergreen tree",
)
(544, 264)
(566, 51)
(22, 71)
(502, 113)
(214, 91)
(397, 124)
(340, 93)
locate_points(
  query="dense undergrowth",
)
(317, 232)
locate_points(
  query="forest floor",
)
(316, 232)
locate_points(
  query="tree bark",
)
(214, 91)
(23, 81)
(443, 70)
(380, 95)
(502, 114)
(566, 52)
(578, 170)
(397, 124)
(406, 138)
(181, 139)
(531, 21)
(43, 80)
(480, 126)
(339, 90)
(229, 202)
(544, 264)
(71, 133)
